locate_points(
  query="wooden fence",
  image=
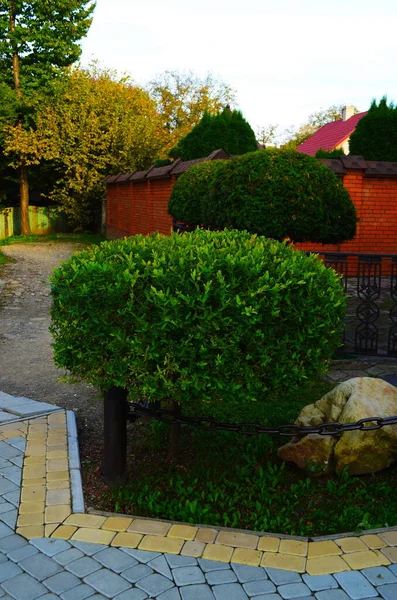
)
(43, 220)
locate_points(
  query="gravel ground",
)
(26, 365)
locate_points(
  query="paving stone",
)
(355, 585)
(115, 559)
(3, 557)
(188, 576)
(174, 560)
(320, 582)
(17, 461)
(388, 592)
(83, 566)
(24, 587)
(87, 547)
(332, 595)
(393, 569)
(155, 584)
(40, 566)
(10, 518)
(172, 594)
(246, 573)
(143, 556)
(197, 592)
(126, 540)
(132, 594)
(218, 577)
(61, 582)
(5, 463)
(12, 542)
(13, 496)
(8, 569)
(229, 591)
(281, 577)
(6, 506)
(136, 573)
(261, 586)
(63, 558)
(78, 593)
(49, 597)
(160, 565)
(50, 546)
(7, 451)
(17, 442)
(293, 590)
(7, 486)
(12, 473)
(107, 583)
(22, 552)
(379, 576)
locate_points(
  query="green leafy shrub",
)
(336, 153)
(185, 203)
(280, 194)
(220, 318)
(375, 136)
(227, 130)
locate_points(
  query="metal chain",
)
(137, 410)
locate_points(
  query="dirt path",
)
(26, 365)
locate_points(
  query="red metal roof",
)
(330, 135)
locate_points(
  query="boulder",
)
(360, 451)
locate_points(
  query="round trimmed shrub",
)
(185, 203)
(220, 318)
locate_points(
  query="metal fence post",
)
(115, 435)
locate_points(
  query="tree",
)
(267, 136)
(294, 136)
(227, 130)
(96, 124)
(375, 136)
(38, 39)
(182, 99)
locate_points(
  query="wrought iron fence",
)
(370, 281)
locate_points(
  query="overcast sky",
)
(285, 58)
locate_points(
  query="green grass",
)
(229, 480)
(3, 258)
(82, 238)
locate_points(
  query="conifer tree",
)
(375, 136)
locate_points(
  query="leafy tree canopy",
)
(375, 137)
(227, 130)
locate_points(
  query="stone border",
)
(51, 496)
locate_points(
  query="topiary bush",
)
(280, 194)
(220, 318)
(185, 203)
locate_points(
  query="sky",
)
(284, 58)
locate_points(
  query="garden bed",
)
(229, 480)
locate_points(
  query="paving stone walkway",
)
(49, 548)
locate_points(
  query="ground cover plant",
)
(33, 238)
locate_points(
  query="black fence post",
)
(115, 435)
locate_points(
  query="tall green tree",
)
(38, 39)
(227, 130)
(375, 137)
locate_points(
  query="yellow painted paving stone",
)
(61, 496)
(244, 556)
(194, 549)
(58, 476)
(326, 565)
(218, 552)
(57, 464)
(117, 523)
(351, 544)
(268, 544)
(86, 521)
(38, 428)
(366, 559)
(161, 544)
(36, 436)
(34, 481)
(58, 485)
(31, 519)
(149, 527)
(373, 541)
(206, 535)
(57, 417)
(64, 532)
(184, 532)
(31, 531)
(49, 529)
(31, 507)
(127, 540)
(56, 514)
(34, 493)
(297, 547)
(58, 447)
(7, 435)
(34, 471)
(327, 548)
(56, 440)
(287, 562)
(93, 536)
(238, 540)
(390, 537)
(390, 553)
(35, 450)
(34, 460)
(57, 454)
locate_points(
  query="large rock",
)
(361, 451)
